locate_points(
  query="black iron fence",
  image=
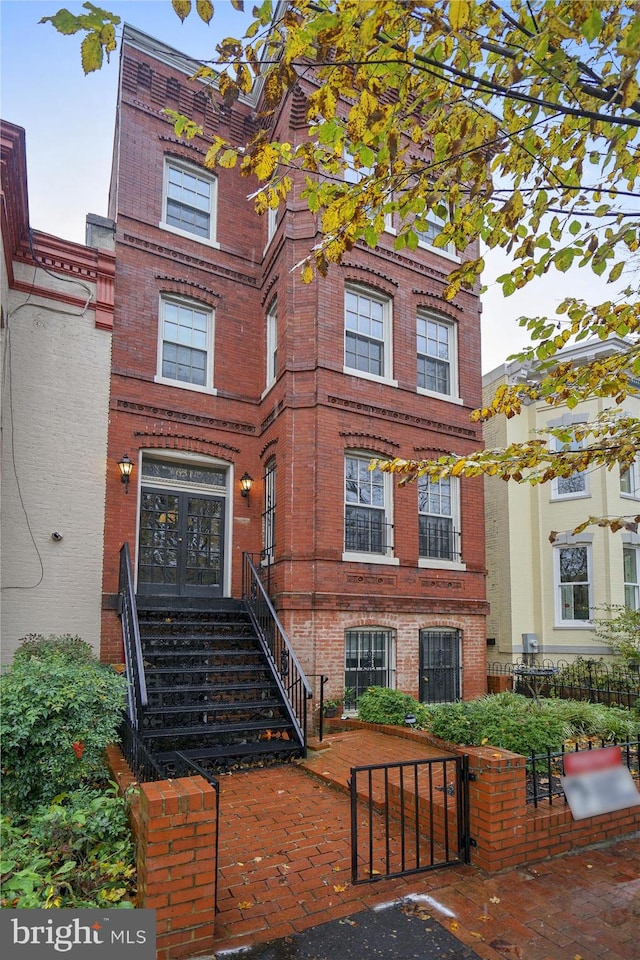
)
(544, 770)
(593, 680)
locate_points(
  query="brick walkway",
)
(285, 866)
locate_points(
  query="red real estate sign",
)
(596, 781)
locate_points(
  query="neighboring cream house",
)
(553, 591)
(55, 329)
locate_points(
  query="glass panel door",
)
(181, 548)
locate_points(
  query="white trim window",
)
(272, 342)
(437, 351)
(630, 482)
(185, 348)
(272, 223)
(631, 566)
(430, 230)
(367, 334)
(189, 201)
(439, 519)
(368, 524)
(576, 485)
(572, 571)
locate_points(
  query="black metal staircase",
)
(212, 696)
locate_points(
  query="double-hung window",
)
(185, 354)
(367, 348)
(573, 584)
(438, 519)
(630, 482)
(575, 485)
(428, 227)
(189, 201)
(437, 351)
(272, 342)
(631, 565)
(367, 508)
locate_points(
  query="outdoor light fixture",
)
(126, 468)
(246, 482)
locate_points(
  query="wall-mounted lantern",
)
(246, 482)
(126, 469)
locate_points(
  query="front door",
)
(181, 549)
(439, 666)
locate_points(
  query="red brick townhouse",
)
(226, 366)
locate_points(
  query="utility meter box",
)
(529, 642)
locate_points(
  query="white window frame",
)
(424, 240)
(452, 335)
(355, 176)
(630, 478)
(171, 163)
(386, 511)
(386, 339)
(453, 515)
(561, 620)
(557, 493)
(631, 576)
(183, 303)
(272, 343)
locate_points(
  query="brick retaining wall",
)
(174, 822)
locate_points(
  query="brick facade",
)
(309, 416)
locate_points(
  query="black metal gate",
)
(409, 817)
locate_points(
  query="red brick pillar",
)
(177, 864)
(497, 807)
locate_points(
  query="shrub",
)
(35, 646)
(60, 709)
(522, 725)
(75, 852)
(383, 705)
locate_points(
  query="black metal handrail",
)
(128, 611)
(287, 670)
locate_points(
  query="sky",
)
(69, 122)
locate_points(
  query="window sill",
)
(561, 497)
(575, 625)
(447, 397)
(428, 563)
(441, 251)
(362, 375)
(183, 385)
(630, 496)
(371, 558)
(190, 236)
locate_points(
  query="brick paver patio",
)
(285, 867)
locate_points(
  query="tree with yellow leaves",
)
(515, 123)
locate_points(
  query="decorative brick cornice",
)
(173, 254)
(159, 440)
(398, 416)
(179, 416)
(180, 283)
(33, 248)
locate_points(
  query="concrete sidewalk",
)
(284, 868)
